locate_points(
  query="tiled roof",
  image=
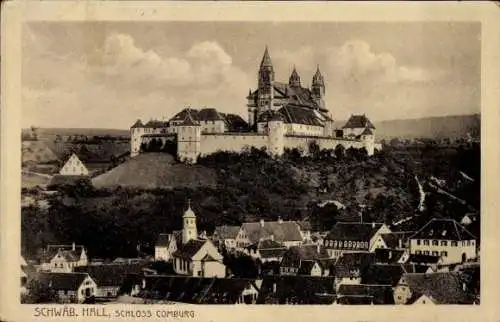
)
(137, 123)
(194, 290)
(358, 121)
(300, 115)
(189, 249)
(281, 231)
(446, 229)
(227, 232)
(297, 289)
(388, 256)
(62, 281)
(385, 274)
(235, 123)
(353, 264)
(423, 259)
(266, 244)
(65, 250)
(304, 225)
(164, 239)
(110, 274)
(415, 268)
(296, 254)
(353, 231)
(444, 288)
(156, 124)
(209, 114)
(272, 252)
(391, 240)
(377, 294)
(306, 267)
(367, 131)
(189, 121)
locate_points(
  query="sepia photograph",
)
(170, 160)
(251, 163)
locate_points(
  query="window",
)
(426, 252)
(444, 253)
(435, 243)
(426, 242)
(454, 244)
(444, 243)
(434, 253)
(350, 244)
(468, 243)
(418, 252)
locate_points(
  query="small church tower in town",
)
(189, 230)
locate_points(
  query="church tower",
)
(318, 88)
(189, 230)
(294, 80)
(266, 80)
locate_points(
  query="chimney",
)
(274, 288)
(464, 287)
(74, 246)
(262, 223)
(280, 220)
(373, 225)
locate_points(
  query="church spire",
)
(318, 78)
(266, 59)
(294, 78)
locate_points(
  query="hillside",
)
(37, 152)
(44, 132)
(155, 170)
(452, 127)
(227, 188)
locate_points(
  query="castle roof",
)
(294, 78)
(156, 124)
(367, 131)
(445, 229)
(358, 121)
(137, 123)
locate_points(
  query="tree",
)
(339, 151)
(314, 150)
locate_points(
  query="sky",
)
(109, 74)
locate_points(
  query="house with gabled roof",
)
(304, 260)
(109, 277)
(191, 290)
(445, 238)
(350, 267)
(358, 125)
(166, 245)
(432, 288)
(67, 287)
(266, 250)
(74, 167)
(195, 256)
(286, 233)
(353, 237)
(63, 258)
(349, 294)
(226, 235)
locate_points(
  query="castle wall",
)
(231, 142)
(324, 143)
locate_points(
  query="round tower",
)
(276, 135)
(189, 140)
(136, 132)
(368, 139)
(189, 230)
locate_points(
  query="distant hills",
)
(453, 127)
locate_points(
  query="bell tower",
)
(189, 230)
(318, 88)
(266, 80)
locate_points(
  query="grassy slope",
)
(155, 170)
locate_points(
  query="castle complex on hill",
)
(280, 116)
